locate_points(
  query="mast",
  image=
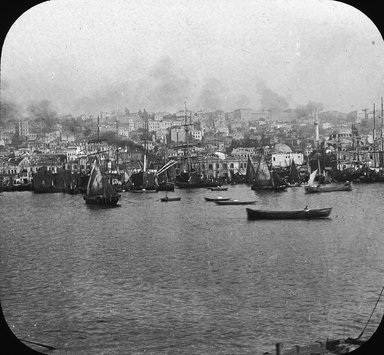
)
(374, 136)
(117, 146)
(98, 128)
(186, 134)
(381, 134)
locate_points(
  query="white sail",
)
(312, 178)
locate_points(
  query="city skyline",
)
(87, 57)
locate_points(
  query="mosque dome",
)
(281, 148)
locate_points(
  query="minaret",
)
(316, 123)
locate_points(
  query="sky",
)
(87, 56)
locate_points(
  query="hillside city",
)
(223, 138)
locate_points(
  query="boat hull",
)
(218, 188)
(228, 203)
(101, 200)
(169, 199)
(166, 187)
(268, 188)
(187, 185)
(214, 199)
(319, 189)
(143, 190)
(301, 214)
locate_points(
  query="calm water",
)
(189, 277)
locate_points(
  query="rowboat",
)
(168, 199)
(234, 202)
(300, 214)
(218, 188)
(214, 199)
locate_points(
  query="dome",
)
(281, 148)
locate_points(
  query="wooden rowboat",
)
(168, 199)
(234, 202)
(214, 199)
(300, 214)
(218, 188)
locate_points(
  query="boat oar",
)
(39, 344)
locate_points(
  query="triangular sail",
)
(99, 184)
(276, 179)
(294, 175)
(263, 174)
(311, 179)
(251, 173)
(95, 182)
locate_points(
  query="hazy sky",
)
(93, 55)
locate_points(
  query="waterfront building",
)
(213, 167)
(282, 156)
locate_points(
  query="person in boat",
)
(306, 208)
(347, 183)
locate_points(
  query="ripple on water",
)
(189, 277)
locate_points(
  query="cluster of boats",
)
(100, 192)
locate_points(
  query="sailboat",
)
(99, 190)
(163, 177)
(294, 175)
(313, 187)
(189, 177)
(265, 179)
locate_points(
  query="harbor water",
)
(189, 277)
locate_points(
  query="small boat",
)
(234, 202)
(267, 179)
(300, 214)
(168, 199)
(317, 188)
(214, 199)
(99, 190)
(218, 188)
(143, 191)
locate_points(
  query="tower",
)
(316, 124)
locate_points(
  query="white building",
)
(197, 134)
(72, 152)
(243, 152)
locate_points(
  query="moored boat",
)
(168, 199)
(218, 188)
(99, 190)
(234, 202)
(312, 187)
(267, 179)
(298, 214)
(347, 186)
(218, 198)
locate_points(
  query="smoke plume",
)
(270, 99)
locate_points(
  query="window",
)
(231, 166)
(210, 166)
